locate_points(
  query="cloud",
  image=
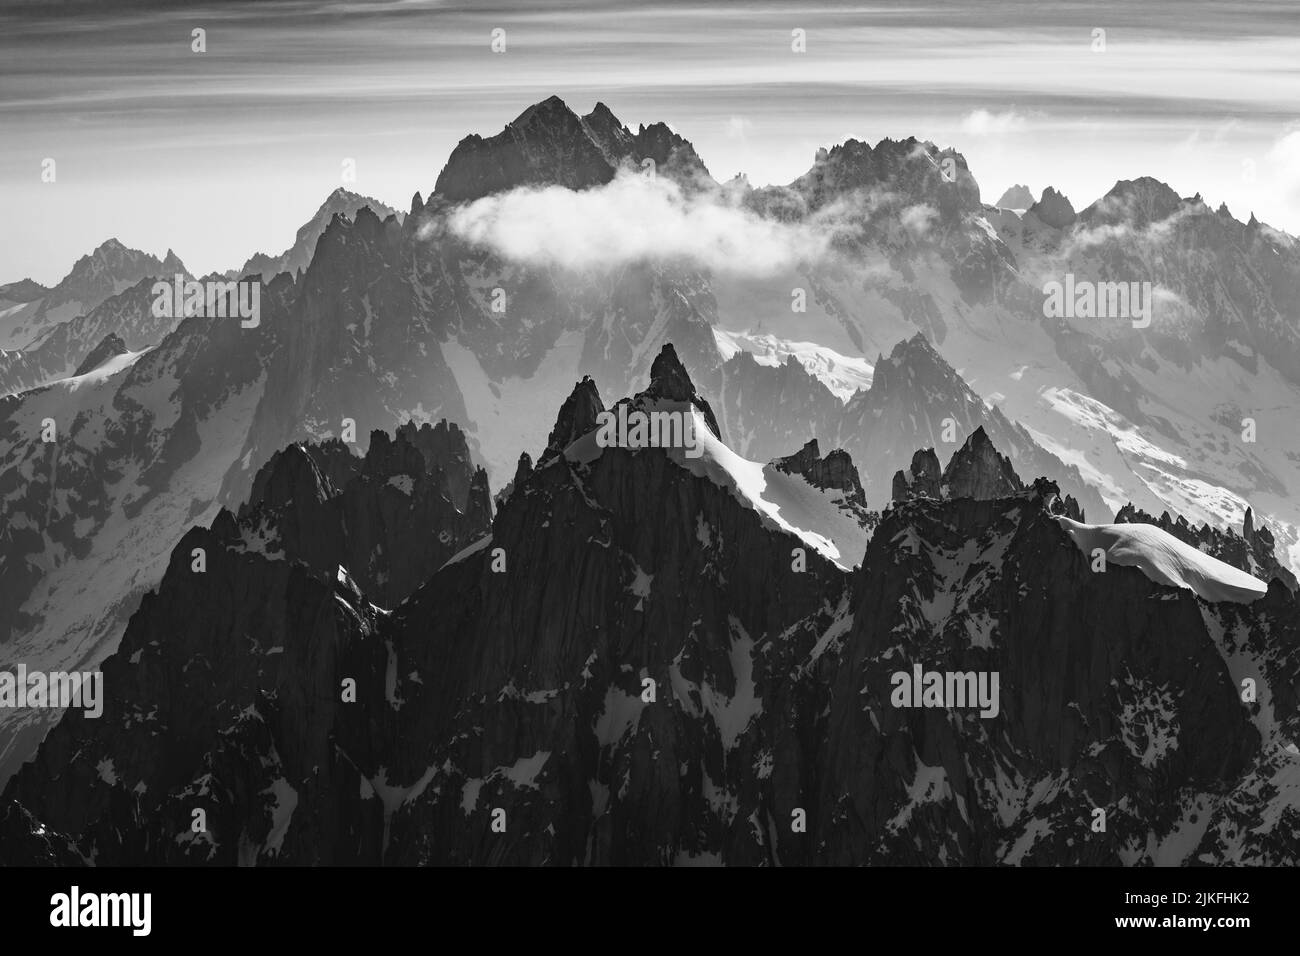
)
(1284, 162)
(983, 123)
(738, 127)
(917, 219)
(636, 219)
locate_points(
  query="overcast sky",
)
(223, 153)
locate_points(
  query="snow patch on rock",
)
(1165, 560)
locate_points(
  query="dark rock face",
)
(334, 465)
(1053, 209)
(977, 470)
(277, 618)
(923, 479)
(28, 843)
(1083, 724)
(295, 259)
(522, 471)
(445, 448)
(577, 417)
(672, 155)
(1252, 551)
(544, 145)
(389, 518)
(108, 347)
(601, 774)
(670, 381)
(225, 698)
(834, 471)
(550, 145)
(288, 772)
(632, 670)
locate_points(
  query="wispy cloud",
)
(917, 219)
(983, 123)
(1284, 164)
(738, 127)
(638, 219)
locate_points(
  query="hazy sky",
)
(223, 153)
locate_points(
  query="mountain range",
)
(647, 658)
(333, 460)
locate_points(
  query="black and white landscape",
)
(980, 547)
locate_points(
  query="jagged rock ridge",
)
(548, 144)
(632, 670)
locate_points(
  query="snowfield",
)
(1165, 560)
(842, 374)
